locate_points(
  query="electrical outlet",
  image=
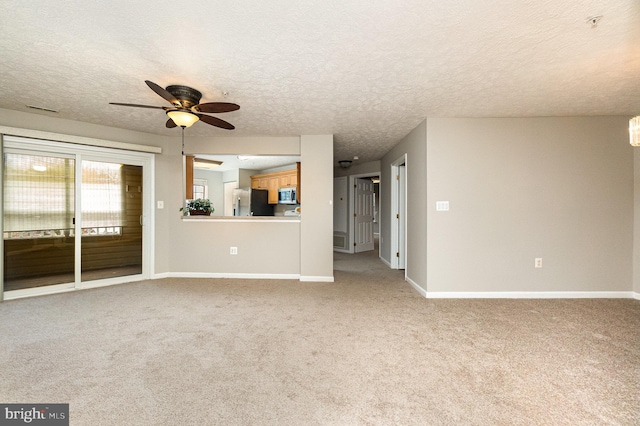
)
(538, 262)
(233, 250)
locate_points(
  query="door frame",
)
(96, 153)
(398, 227)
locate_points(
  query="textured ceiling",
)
(367, 71)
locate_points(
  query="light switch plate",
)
(442, 206)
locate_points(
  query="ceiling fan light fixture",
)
(634, 131)
(182, 118)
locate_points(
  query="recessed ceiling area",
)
(366, 71)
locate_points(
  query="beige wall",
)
(368, 168)
(519, 188)
(263, 248)
(316, 227)
(414, 145)
(636, 229)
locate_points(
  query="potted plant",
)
(199, 206)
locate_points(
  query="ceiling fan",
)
(186, 109)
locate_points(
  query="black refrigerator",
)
(260, 203)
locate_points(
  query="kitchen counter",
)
(293, 219)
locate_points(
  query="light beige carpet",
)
(364, 350)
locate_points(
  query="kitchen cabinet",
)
(260, 182)
(273, 181)
(273, 185)
(288, 180)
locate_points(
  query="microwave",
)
(287, 196)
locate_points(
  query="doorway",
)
(73, 217)
(398, 213)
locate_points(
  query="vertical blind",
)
(39, 193)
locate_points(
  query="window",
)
(200, 188)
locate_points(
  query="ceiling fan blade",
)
(170, 124)
(214, 121)
(216, 107)
(163, 93)
(138, 105)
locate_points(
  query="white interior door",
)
(402, 217)
(363, 219)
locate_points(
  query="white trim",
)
(415, 285)
(236, 275)
(322, 279)
(530, 295)
(244, 219)
(636, 295)
(80, 140)
(161, 275)
(339, 250)
(243, 276)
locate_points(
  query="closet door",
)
(39, 212)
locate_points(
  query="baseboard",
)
(321, 279)
(232, 275)
(341, 250)
(530, 295)
(636, 295)
(328, 279)
(160, 275)
(385, 261)
(419, 289)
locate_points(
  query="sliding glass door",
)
(71, 220)
(39, 230)
(111, 220)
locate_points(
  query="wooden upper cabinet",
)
(274, 184)
(259, 182)
(274, 181)
(288, 180)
